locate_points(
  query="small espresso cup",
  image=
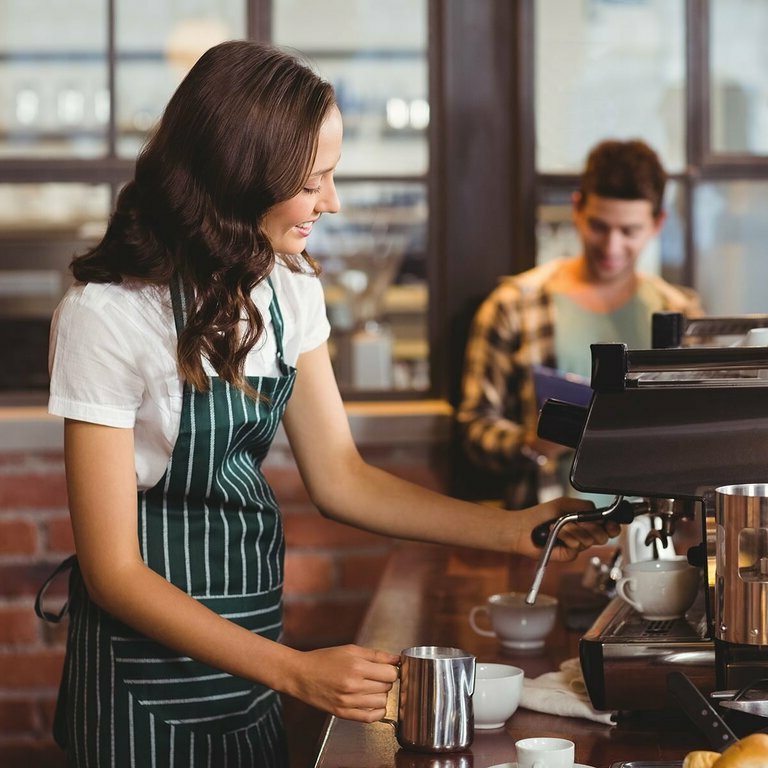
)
(516, 624)
(659, 589)
(545, 752)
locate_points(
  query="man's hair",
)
(624, 170)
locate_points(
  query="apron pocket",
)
(187, 693)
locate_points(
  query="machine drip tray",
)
(625, 658)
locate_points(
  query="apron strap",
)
(54, 618)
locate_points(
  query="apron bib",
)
(212, 527)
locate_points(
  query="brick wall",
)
(331, 572)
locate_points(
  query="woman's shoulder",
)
(127, 298)
(119, 309)
(294, 283)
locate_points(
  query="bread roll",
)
(749, 752)
(700, 759)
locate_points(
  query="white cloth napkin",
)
(562, 693)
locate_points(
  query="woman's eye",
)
(312, 190)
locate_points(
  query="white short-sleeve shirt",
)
(112, 356)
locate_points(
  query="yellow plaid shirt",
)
(514, 329)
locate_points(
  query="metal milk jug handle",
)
(435, 699)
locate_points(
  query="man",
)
(551, 314)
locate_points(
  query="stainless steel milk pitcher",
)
(435, 701)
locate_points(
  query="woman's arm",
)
(347, 489)
(350, 682)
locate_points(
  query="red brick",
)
(54, 634)
(24, 579)
(287, 484)
(31, 670)
(24, 753)
(308, 573)
(33, 491)
(60, 538)
(25, 459)
(19, 716)
(47, 711)
(362, 572)
(18, 537)
(319, 625)
(18, 625)
(314, 530)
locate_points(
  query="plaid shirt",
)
(513, 330)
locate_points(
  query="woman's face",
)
(288, 224)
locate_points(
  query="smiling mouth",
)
(304, 228)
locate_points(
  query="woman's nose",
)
(328, 201)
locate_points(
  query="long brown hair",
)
(237, 137)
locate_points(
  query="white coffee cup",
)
(516, 624)
(497, 694)
(659, 590)
(545, 752)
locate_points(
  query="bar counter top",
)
(424, 598)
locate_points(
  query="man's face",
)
(613, 234)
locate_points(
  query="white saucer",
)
(514, 765)
(521, 645)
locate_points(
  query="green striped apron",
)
(212, 527)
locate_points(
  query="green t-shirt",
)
(576, 328)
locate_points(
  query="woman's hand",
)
(348, 681)
(574, 536)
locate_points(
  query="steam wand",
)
(619, 510)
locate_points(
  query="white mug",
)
(516, 624)
(545, 752)
(659, 589)
(498, 688)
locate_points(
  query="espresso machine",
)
(683, 430)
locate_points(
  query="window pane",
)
(608, 69)
(373, 253)
(157, 43)
(731, 232)
(53, 86)
(41, 227)
(373, 257)
(739, 90)
(375, 55)
(556, 236)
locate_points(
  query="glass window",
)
(157, 43)
(42, 226)
(730, 234)
(373, 253)
(374, 53)
(373, 256)
(54, 100)
(608, 69)
(738, 86)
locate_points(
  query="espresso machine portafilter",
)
(686, 429)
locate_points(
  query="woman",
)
(173, 359)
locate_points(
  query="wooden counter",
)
(424, 599)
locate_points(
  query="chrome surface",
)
(625, 658)
(649, 764)
(435, 702)
(741, 583)
(619, 509)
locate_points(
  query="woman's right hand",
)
(348, 681)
